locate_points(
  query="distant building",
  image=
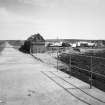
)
(74, 45)
(37, 43)
(54, 46)
(85, 44)
(57, 46)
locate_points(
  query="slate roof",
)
(36, 38)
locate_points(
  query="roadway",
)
(26, 81)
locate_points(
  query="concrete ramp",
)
(27, 81)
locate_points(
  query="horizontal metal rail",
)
(88, 56)
(88, 71)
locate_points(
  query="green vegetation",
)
(25, 47)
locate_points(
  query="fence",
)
(91, 65)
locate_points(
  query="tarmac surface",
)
(26, 81)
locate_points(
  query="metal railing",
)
(90, 71)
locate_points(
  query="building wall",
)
(38, 48)
(56, 48)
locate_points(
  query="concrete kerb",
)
(36, 58)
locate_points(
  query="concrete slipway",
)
(27, 81)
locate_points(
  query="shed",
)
(37, 43)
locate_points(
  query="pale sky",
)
(73, 19)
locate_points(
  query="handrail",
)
(88, 56)
(89, 71)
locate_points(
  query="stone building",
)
(37, 43)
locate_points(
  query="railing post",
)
(70, 66)
(57, 58)
(91, 74)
